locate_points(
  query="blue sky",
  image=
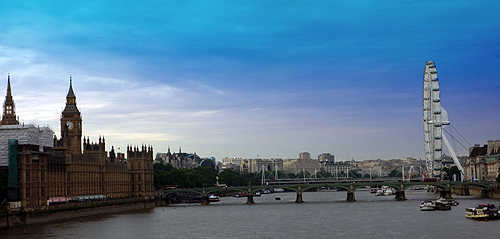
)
(248, 78)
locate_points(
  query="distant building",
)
(483, 162)
(305, 156)
(185, 160)
(337, 168)
(257, 165)
(326, 157)
(303, 163)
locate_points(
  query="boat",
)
(373, 190)
(389, 191)
(380, 192)
(277, 190)
(428, 205)
(442, 206)
(213, 198)
(239, 195)
(451, 202)
(482, 212)
(277, 198)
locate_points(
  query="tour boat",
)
(213, 198)
(428, 205)
(482, 212)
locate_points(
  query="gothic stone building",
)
(42, 167)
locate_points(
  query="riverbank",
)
(60, 212)
(477, 191)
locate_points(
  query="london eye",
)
(435, 118)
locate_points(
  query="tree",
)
(454, 170)
(163, 167)
(395, 174)
(355, 174)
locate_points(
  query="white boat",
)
(449, 202)
(380, 192)
(213, 198)
(388, 191)
(278, 190)
(428, 205)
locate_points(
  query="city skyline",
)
(255, 79)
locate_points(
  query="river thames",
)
(325, 214)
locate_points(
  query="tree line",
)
(207, 177)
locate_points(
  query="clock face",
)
(69, 124)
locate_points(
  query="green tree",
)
(395, 173)
(163, 167)
(354, 174)
(454, 171)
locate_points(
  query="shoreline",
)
(20, 218)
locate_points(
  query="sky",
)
(256, 79)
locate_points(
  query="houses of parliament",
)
(42, 168)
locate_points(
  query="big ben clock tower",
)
(71, 123)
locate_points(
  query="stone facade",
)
(483, 162)
(68, 170)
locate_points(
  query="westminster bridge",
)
(299, 187)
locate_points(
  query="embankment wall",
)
(74, 210)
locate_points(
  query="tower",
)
(71, 123)
(9, 113)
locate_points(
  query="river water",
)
(325, 214)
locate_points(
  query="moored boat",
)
(450, 202)
(239, 195)
(213, 198)
(441, 206)
(482, 212)
(428, 205)
(380, 192)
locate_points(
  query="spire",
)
(71, 94)
(9, 113)
(9, 93)
(71, 100)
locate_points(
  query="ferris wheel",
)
(435, 118)
(433, 121)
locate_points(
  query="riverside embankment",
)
(20, 217)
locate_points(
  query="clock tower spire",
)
(71, 123)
